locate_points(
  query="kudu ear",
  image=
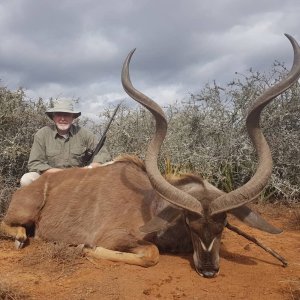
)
(163, 220)
(253, 219)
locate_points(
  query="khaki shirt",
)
(50, 150)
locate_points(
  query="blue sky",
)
(75, 49)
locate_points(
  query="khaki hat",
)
(65, 106)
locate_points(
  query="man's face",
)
(63, 121)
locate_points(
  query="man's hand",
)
(93, 165)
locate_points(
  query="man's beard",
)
(63, 127)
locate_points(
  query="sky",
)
(75, 49)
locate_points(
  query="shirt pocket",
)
(54, 157)
(77, 156)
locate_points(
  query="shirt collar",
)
(72, 130)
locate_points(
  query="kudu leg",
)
(144, 256)
(258, 243)
(17, 232)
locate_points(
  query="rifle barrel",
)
(103, 137)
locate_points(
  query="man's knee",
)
(28, 178)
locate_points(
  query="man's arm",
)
(37, 160)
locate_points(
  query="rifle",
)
(103, 137)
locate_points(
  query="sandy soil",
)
(47, 271)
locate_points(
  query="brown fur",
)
(184, 179)
(104, 206)
(87, 206)
(131, 159)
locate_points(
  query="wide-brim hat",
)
(65, 106)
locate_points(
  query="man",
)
(62, 145)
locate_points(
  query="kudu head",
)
(206, 216)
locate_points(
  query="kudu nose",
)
(209, 274)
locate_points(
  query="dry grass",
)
(8, 292)
(61, 260)
(6, 191)
(57, 254)
(294, 290)
(294, 221)
(58, 260)
(62, 253)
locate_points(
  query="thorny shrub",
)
(19, 120)
(206, 134)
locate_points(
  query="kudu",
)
(125, 211)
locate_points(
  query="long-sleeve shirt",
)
(50, 150)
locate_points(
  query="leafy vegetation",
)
(206, 134)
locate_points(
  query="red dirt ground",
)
(247, 272)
